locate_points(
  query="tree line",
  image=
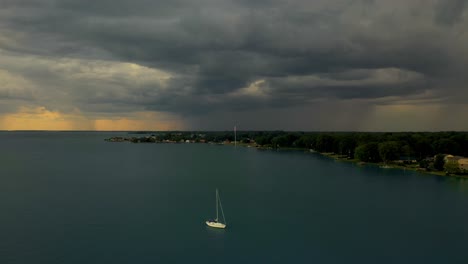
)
(363, 146)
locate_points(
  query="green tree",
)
(305, 141)
(439, 162)
(389, 151)
(462, 142)
(263, 140)
(368, 152)
(347, 145)
(451, 167)
(446, 146)
(406, 151)
(424, 164)
(324, 143)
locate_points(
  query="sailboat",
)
(216, 223)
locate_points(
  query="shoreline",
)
(381, 165)
(337, 157)
(391, 166)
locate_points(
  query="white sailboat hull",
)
(215, 224)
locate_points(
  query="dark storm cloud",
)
(352, 84)
(302, 51)
(449, 12)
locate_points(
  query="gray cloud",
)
(449, 12)
(233, 56)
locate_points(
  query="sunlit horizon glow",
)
(40, 118)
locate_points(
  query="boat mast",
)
(235, 136)
(216, 204)
(222, 211)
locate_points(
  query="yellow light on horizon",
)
(40, 118)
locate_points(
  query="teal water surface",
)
(71, 197)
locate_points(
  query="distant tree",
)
(389, 151)
(263, 140)
(324, 143)
(286, 140)
(462, 142)
(368, 152)
(291, 139)
(424, 164)
(406, 151)
(422, 147)
(451, 167)
(439, 162)
(364, 138)
(361, 153)
(347, 145)
(446, 146)
(275, 142)
(305, 141)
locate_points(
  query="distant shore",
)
(382, 165)
(180, 138)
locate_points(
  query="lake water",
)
(74, 198)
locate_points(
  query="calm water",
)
(73, 198)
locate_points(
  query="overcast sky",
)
(365, 65)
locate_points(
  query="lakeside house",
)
(463, 165)
(117, 139)
(461, 161)
(449, 157)
(406, 160)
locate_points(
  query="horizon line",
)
(253, 130)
